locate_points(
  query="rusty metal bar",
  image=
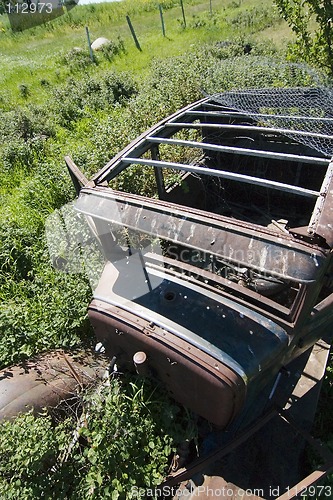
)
(241, 151)
(325, 188)
(228, 126)
(252, 114)
(75, 374)
(78, 178)
(247, 179)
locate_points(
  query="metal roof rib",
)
(242, 151)
(254, 128)
(226, 175)
(252, 114)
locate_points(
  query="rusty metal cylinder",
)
(141, 363)
(47, 380)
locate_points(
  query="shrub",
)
(17, 153)
(76, 98)
(44, 82)
(24, 134)
(227, 49)
(67, 103)
(119, 88)
(24, 90)
(46, 311)
(127, 433)
(29, 448)
(112, 49)
(77, 59)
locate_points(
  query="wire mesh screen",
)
(304, 114)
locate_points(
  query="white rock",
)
(99, 42)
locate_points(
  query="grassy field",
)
(55, 101)
(36, 54)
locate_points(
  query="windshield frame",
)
(156, 217)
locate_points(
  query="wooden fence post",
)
(89, 45)
(210, 7)
(136, 41)
(162, 20)
(183, 12)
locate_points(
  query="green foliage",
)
(204, 20)
(77, 59)
(235, 4)
(40, 308)
(23, 135)
(228, 49)
(128, 431)
(113, 48)
(253, 19)
(24, 90)
(29, 448)
(77, 98)
(311, 21)
(46, 311)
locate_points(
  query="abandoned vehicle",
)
(222, 274)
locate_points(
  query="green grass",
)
(55, 102)
(30, 56)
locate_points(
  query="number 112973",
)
(29, 8)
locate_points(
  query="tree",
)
(312, 23)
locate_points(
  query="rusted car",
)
(222, 274)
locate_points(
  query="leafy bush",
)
(112, 49)
(29, 448)
(128, 431)
(75, 99)
(47, 311)
(17, 153)
(311, 22)
(119, 88)
(234, 4)
(24, 90)
(205, 20)
(23, 136)
(77, 59)
(40, 308)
